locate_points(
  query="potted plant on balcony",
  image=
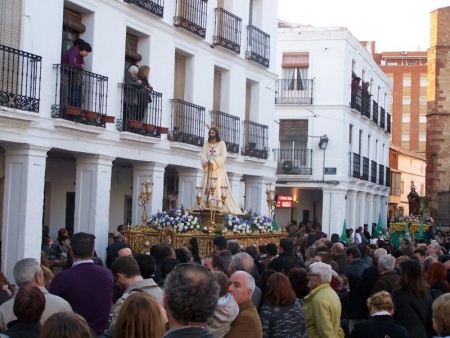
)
(149, 127)
(107, 118)
(162, 130)
(70, 110)
(92, 115)
(136, 124)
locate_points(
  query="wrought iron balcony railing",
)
(256, 138)
(258, 46)
(140, 110)
(388, 123)
(365, 174)
(382, 118)
(80, 96)
(380, 174)
(356, 101)
(366, 105)
(293, 161)
(228, 29)
(355, 165)
(373, 171)
(294, 91)
(188, 123)
(191, 16)
(155, 7)
(388, 177)
(20, 79)
(229, 129)
(375, 112)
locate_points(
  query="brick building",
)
(438, 111)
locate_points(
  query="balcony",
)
(141, 111)
(188, 123)
(373, 171)
(228, 29)
(375, 112)
(388, 177)
(380, 174)
(356, 101)
(80, 96)
(293, 161)
(191, 16)
(155, 7)
(294, 91)
(382, 118)
(366, 105)
(256, 138)
(388, 123)
(258, 46)
(355, 165)
(365, 174)
(229, 129)
(20, 82)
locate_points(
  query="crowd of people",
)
(303, 286)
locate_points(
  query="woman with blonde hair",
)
(141, 316)
(380, 324)
(66, 325)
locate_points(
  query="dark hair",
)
(220, 242)
(192, 293)
(299, 282)
(126, 265)
(334, 238)
(194, 249)
(411, 278)
(67, 325)
(437, 273)
(46, 240)
(279, 291)
(29, 304)
(82, 245)
(252, 251)
(324, 256)
(153, 250)
(167, 265)
(263, 281)
(421, 252)
(217, 133)
(216, 261)
(146, 265)
(62, 232)
(119, 226)
(223, 281)
(287, 245)
(271, 249)
(354, 251)
(62, 239)
(362, 248)
(293, 222)
(163, 251)
(77, 42)
(291, 262)
(262, 249)
(182, 255)
(85, 46)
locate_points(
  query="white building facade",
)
(66, 165)
(333, 153)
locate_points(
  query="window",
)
(422, 118)
(406, 118)
(72, 28)
(217, 89)
(423, 100)
(422, 137)
(423, 81)
(180, 76)
(403, 187)
(405, 137)
(295, 70)
(396, 183)
(406, 100)
(406, 82)
(131, 46)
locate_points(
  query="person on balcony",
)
(131, 89)
(74, 58)
(355, 86)
(145, 93)
(214, 155)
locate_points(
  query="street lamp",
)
(323, 143)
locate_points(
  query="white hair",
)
(250, 285)
(378, 253)
(133, 69)
(323, 270)
(387, 262)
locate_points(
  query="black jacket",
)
(378, 327)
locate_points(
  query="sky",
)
(395, 25)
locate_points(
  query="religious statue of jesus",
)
(214, 155)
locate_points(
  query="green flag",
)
(406, 230)
(420, 234)
(274, 223)
(380, 224)
(439, 228)
(343, 237)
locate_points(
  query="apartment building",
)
(81, 165)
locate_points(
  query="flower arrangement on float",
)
(247, 224)
(179, 219)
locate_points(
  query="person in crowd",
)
(48, 276)
(61, 232)
(183, 255)
(271, 254)
(28, 272)
(29, 304)
(226, 309)
(145, 96)
(247, 322)
(213, 262)
(407, 248)
(364, 256)
(412, 301)
(167, 265)
(285, 249)
(220, 248)
(441, 314)
(263, 284)
(131, 93)
(191, 294)
(233, 246)
(63, 248)
(437, 280)
(380, 324)
(121, 229)
(299, 283)
(354, 272)
(322, 306)
(387, 281)
(426, 265)
(141, 316)
(66, 325)
(126, 271)
(192, 245)
(282, 314)
(310, 253)
(86, 286)
(111, 250)
(420, 255)
(6, 289)
(291, 230)
(48, 249)
(161, 252)
(433, 250)
(291, 263)
(358, 238)
(146, 265)
(337, 252)
(367, 234)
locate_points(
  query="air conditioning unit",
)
(404, 52)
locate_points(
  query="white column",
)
(155, 172)
(376, 208)
(92, 198)
(235, 182)
(369, 212)
(255, 194)
(334, 206)
(188, 179)
(383, 209)
(360, 210)
(352, 219)
(23, 204)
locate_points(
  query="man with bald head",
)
(247, 322)
(337, 251)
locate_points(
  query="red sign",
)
(284, 201)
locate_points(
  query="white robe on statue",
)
(217, 155)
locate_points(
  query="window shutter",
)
(131, 46)
(294, 60)
(72, 20)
